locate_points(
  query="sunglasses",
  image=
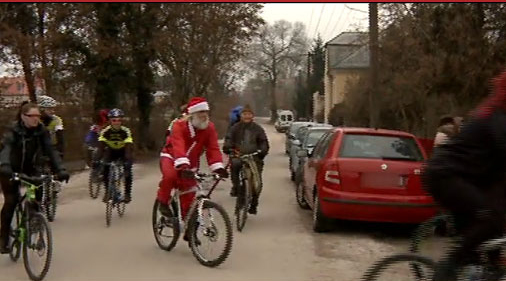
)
(32, 115)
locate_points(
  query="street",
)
(277, 244)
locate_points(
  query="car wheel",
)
(320, 222)
(299, 195)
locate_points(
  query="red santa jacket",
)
(186, 144)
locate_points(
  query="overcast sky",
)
(328, 19)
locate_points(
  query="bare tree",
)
(279, 49)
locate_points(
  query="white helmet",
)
(46, 101)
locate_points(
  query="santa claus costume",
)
(182, 151)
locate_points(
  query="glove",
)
(222, 172)
(187, 174)
(6, 170)
(62, 175)
(226, 150)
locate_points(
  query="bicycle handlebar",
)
(35, 180)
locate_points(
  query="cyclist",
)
(246, 137)
(21, 150)
(116, 142)
(181, 155)
(91, 139)
(53, 122)
(466, 176)
(235, 115)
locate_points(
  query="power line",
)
(330, 19)
(337, 22)
(318, 24)
(310, 19)
(355, 9)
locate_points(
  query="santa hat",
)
(197, 104)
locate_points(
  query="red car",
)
(367, 175)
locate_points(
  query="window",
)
(289, 117)
(380, 147)
(313, 138)
(283, 117)
(322, 145)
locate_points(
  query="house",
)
(13, 90)
(346, 59)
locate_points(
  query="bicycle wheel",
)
(120, 195)
(213, 226)
(242, 204)
(392, 268)
(38, 244)
(15, 236)
(165, 229)
(50, 201)
(95, 182)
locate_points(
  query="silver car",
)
(291, 133)
(306, 138)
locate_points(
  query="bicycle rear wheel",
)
(400, 267)
(165, 229)
(50, 201)
(213, 226)
(95, 182)
(15, 234)
(242, 204)
(38, 244)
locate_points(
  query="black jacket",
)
(22, 149)
(477, 153)
(247, 138)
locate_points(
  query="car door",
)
(313, 165)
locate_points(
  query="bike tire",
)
(229, 234)
(15, 247)
(41, 222)
(374, 272)
(242, 205)
(94, 183)
(50, 204)
(159, 222)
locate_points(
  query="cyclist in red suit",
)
(180, 156)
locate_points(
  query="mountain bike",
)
(115, 191)
(249, 178)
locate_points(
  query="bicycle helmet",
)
(46, 101)
(115, 113)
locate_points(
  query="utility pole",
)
(308, 87)
(373, 67)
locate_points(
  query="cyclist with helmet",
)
(91, 139)
(116, 142)
(53, 123)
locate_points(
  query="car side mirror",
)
(302, 153)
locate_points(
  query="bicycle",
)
(96, 179)
(194, 223)
(249, 178)
(49, 202)
(423, 267)
(29, 226)
(114, 195)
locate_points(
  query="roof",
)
(349, 38)
(372, 131)
(358, 59)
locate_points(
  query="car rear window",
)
(289, 117)
(380, 147)
(283, 117)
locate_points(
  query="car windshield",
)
(289, 117)
(313, 138)
(283, 117)
(380, 147)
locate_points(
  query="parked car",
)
(285, 119)
(292, 132)
(367, 175)
(305, 138)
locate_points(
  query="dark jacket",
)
(22, 149)
(247, 138)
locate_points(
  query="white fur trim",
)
(216, 166)
(192, 130)
(166, 155)
(181, 161)
(198, 107)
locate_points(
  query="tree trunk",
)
(28, 72)
(274, 105)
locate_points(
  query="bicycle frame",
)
(198, 201)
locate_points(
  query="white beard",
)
(200, 125)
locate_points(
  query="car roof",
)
(371, 131)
